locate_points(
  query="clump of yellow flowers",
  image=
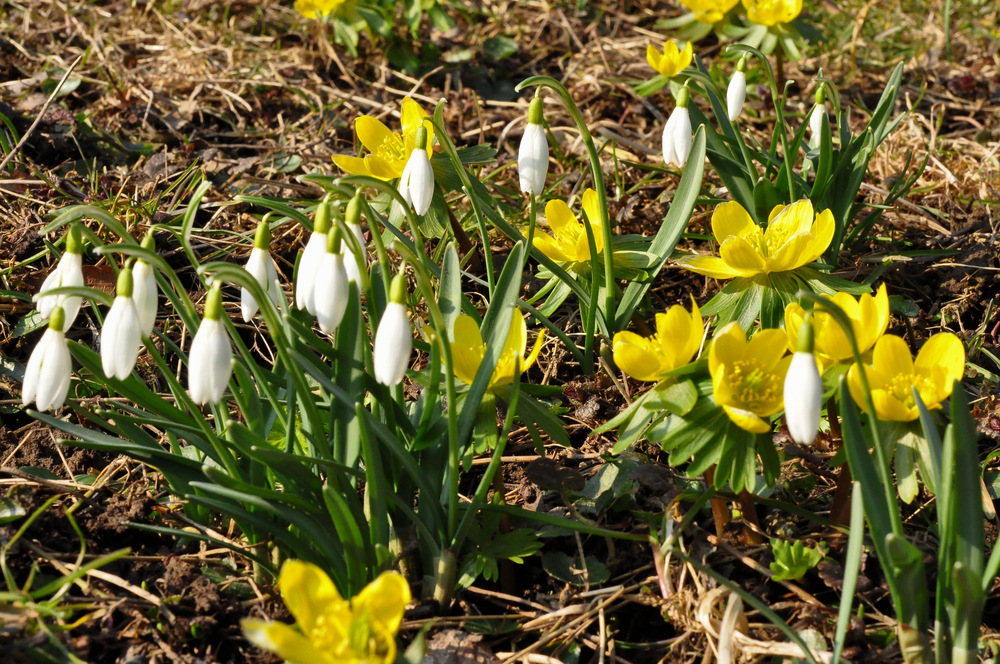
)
(317, 8)
(331, 629)
(772, 12)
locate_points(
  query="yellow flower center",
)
(901, 387)
(392, 148)
(753, 386)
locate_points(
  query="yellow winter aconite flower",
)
(869, 318)
(795, 236)
(709, 11)
(317, 8)
(672, 60)
(677, 339)
(570, 241)
(893, 374)
(748, 377)
(331, 629)
(389, 151)
(772, 12)
(468, 349)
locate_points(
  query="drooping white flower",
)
(47, 374)
(262, 269)
(331, 291)
(416, 184)
(121, 336)
(312, 256)
(803, 393)
(68, 272)
(736, 94)
(393, 339)
(145, 294)
(354, 264)
(677, 133)
(533, 152)
(816, 120)
(210, 362)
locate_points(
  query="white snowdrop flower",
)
(677, 133)
(816, 120)
(416, 184)
(144, 291)
(210, 362)
(121, 336)
(68, 272)
(354, 264)
(394, 338)
(533, 152)
(803, 390)
(736, 94)
(312, 256)
(332, 291)
(47, 374)
(262, 269)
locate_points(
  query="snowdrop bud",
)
(68, 272)
(144, 291)
(210, 362)
(817, 117)
(533, 153)
(262, 269)
(121, 336)
(312, 256)
(803, 390)
(736, 95)
(47, 374)
(677, 133)
(352, 218)
(416, 185)
(331, 292)
(393, 339)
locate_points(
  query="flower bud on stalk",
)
(803, 390)
(393, 339)
(736, 95)
(144, 291)
(262, 269)
(68, 272)
(121, 336)
(533, 153)
(331, 290)
(210, 362)
(677, 133)
(416, 185)
(817, 118)
(47, 374)
(312, 256)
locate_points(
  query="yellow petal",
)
(855, 387)
(710, 266)
(794, 315)
(685, 56)
(794, 253)
(561, 219)
(727, 347)
(675, 331)
(467, 349)
(546, 244)
(766, 347)
(371, 132)
(775, 211)
(891, 409)
(793, 220)
(653, 57)
(730, 219)
(822, 232)
(892, 356)
(516, 340)
(592, 210)
(743, 257)
(351, 165)
(636, 356)
(308, 592)
(942, 351)
(285, 642)
(384, 169)
(384, 599)
(535, 350)
(746, 420)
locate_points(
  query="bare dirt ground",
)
(253, 95)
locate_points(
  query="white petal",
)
(533, 159)
(145, 295)
(682, 136)
(305, 280)
(420, 185)
(816, 120)
(257, 267)
(353, 264)
(736, 95)
(68, 272)
(668, 139)
(120, 339)
(393, 345)
(54, 374)
(404, 182)
(210, 362)
(803, 398)
(331, 292)
(32, 370)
